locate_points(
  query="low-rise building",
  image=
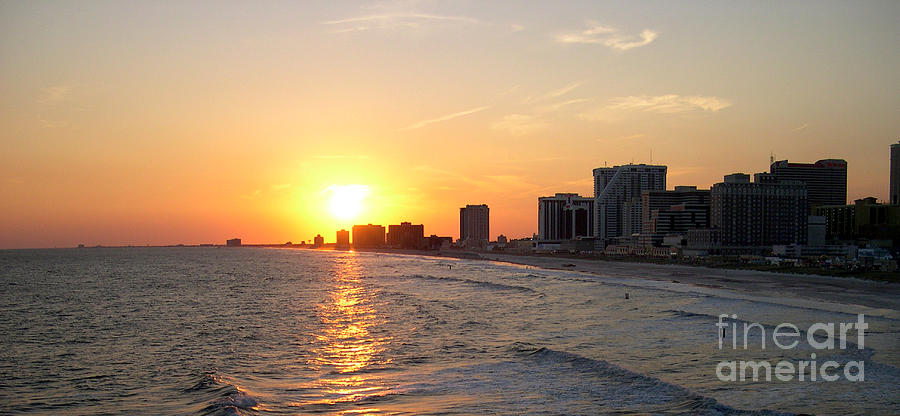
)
(406, 236)
(368, 236)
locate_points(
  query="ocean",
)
(247, 331)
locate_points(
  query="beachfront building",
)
(671, 212)
(826, 180)
(368, 236)
(864, 219)
(342, 241)
(617, 198)
(318, 241)
(753, 216)
(406, 235)
(474, 226)
(434, 242)
(565, 216)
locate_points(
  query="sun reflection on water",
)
(346, 348)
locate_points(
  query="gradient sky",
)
(191, 122)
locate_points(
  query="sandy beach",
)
(842, 294)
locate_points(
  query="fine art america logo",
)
(787, 336)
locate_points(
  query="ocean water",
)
(217, 331)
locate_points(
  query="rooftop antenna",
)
(651, 155)
(771, 157)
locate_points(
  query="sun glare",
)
(346, 201)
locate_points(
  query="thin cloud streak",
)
(553, 94)
(618, 107)
(670, 103)
(518, 124)
(424, 123)
(608, 36)
(55, 94)
(556, 106)
(624, 138)
(360, 157)
(394, 20)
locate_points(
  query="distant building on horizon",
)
(318, 241)
(406, 235)
(368, 236)
(234, 242)
(565, 216)
(342, 240)
(826, 180)
(474, 225)
(895, 174)
(617, 198)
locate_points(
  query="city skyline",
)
(142, 123)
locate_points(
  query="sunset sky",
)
(166, 122)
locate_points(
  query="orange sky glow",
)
(193, 122)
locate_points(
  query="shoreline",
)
(876, 297)
(872, 296)
(845, 294)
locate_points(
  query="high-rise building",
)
(616, 186)
(406, 235)
(565, 217)
(474, 225)
(342, 242)
(368, 236)
(678, 219)
(895, 174)
(318, 241)
(753, 215)
(826, 180)
(685, 196)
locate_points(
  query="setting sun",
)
(345, 202)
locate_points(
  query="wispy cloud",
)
(55, 94)
(663, 104)
(518, 124)
(803, 127)
(670, 103)
(394, 20)
(624, 138)
(359, 157)
(424, 123)
(607, 36)
(559, 105)
(256, 193)
(553, 94)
